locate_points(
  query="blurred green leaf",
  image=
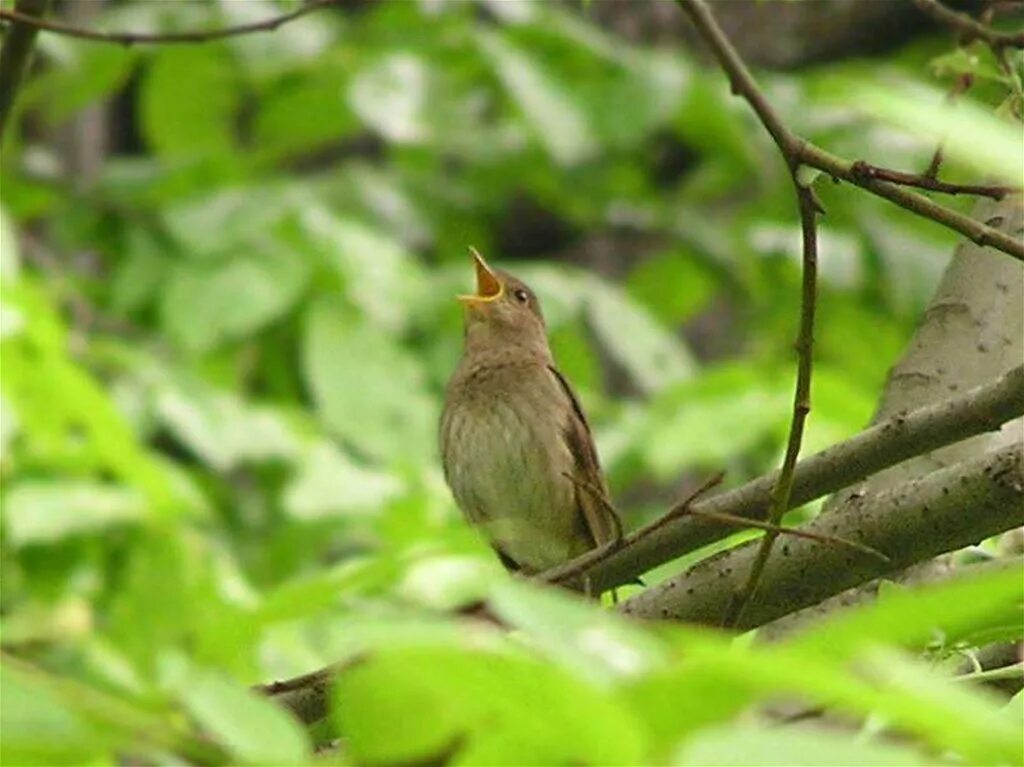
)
(180, 119)
(328, 483)
(910, 617)
(791, 747)
(251, 728)
(368, 389)
(43, 511)
(479, 708)
(548, 106)
(41, 729)
(968, 132)
(206, 305)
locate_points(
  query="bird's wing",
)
(600, 519)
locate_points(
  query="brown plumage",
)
(512, 428)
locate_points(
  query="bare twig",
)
(19, 17)
(968, 28)
(962, 84)
(927, 180)
(15, 54)
(743, 85)
(730, 519)
(804, 152)
(885, 444)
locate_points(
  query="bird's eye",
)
(521, 296)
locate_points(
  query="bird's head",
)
(503, 312)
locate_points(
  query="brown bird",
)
(513, 433)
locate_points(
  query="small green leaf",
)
(369, 390)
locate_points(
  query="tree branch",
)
(744, 85)
(804, 152)
(941, 512)
(968, 27)
(24, 18)
(886, 444)
(15, 54)
(927, 180)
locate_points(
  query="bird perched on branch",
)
(517, 451)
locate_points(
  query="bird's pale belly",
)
(506, 478)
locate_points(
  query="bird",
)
(516, 447)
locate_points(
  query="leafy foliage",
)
(224, 355)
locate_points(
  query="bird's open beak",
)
(488, 286)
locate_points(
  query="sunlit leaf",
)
(548, 106)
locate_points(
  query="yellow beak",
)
(488, 286)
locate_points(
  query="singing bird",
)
(517, 450)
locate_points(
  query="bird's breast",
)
(505, 455)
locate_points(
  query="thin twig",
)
(802, 152)
(967, 27)
(731, 519)
(597, 494)
(927, 180)
(744, 85)
(585, 562)
(16, 17)
(783, 489)
(962, 84)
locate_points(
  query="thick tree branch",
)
(967, 27)
(886, 444)
(941, 512)
(16, 53)
(24, 18)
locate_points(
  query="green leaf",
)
(44, 511)
(969, 133)
(221, 428)
(368, 389)
(329, 484)
(251, 728)
(178, 117)
(207, 304)
(391, 97)
(42, 729)
(790, 747)
(911, 616)
(580, 635)
(379, 276)
(548, 106)
(649, 352)
(475, 707)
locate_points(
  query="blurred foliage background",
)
(228, 274)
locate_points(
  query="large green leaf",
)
(476, 707)
(368, 389)
(791, 747)
(548, 106)
(251, 728)
(180, 118)
(207, 304)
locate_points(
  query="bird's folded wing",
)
(598, 515)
